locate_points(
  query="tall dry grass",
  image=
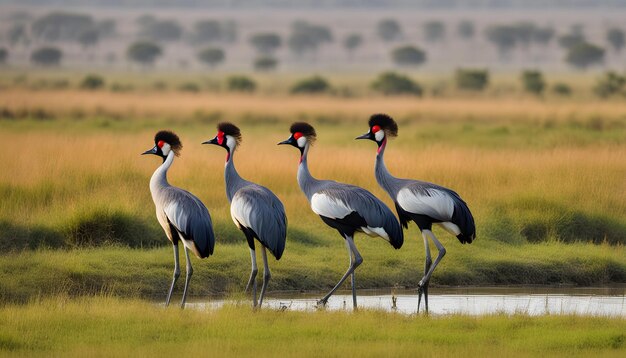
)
(529, 177)
(183, 105)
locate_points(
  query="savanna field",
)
(84, 262)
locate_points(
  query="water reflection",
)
(472, 301)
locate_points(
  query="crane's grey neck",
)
(234, 182)
(159, 178)
(305, 179)
(387, 181)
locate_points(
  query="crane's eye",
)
(297, 135)
(220, 137)
(160, 144)
(375, 129)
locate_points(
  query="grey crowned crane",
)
(421, 202)
(256, 211)
(346, 208)
(182, 216)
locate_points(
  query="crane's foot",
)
(322, 303)
(422, 290)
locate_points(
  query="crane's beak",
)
(212, 141)
(290, 141)
(367, 135)
(151, 151)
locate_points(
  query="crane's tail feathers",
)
(466, 239)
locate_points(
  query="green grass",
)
(544, 180)
(127, 272)
(104, 326)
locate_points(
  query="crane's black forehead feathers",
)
(306, 129)
(230, 129)
(385, 122)
(170, 138)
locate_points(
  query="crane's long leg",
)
(353, 265)
(427, 263)
(176, 275)
(352, 275)
(252, 280)
(188, 274)
(442, 251)
(267, 275)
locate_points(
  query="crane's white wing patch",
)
(240, 211)
(375, 231)
(451, 228)
(437, 205)
(325, 205)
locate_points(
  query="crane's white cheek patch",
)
(230, 142)
(327, 206)
(166, 149)
(301, 141)
(375, 231)
(379, 135)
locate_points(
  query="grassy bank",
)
(112, 327)
(544, 180)
(305, 266)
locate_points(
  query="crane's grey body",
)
(256, 208)
(260, 215)
(426, 204)
(351, 207)
(348, 209)
(184, 218)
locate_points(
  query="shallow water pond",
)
(472, 301)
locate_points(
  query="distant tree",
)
(47, 56)
(389, 30)
(306, 38)
(18, 34)
(89, 38)
(584, 55)
(266, 43)
(241, 84)
(206, 31)
(229, 31)
(144, 53)
(570, 40)
(61, 26)
(351, 42)
(315, 84)
(615, 37)
(471, 79)
(562, 89)
(465, 29)
(434, 31)
(161, 31)
(391, 83)
(106, 28)
(408, 56)
(543, 35)
(263, 64)
(92, 82)
(533, 82)
(504, 37)
(609, 84)
(524, 32)
(189, 87)
(4, 53)
(212, 56)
